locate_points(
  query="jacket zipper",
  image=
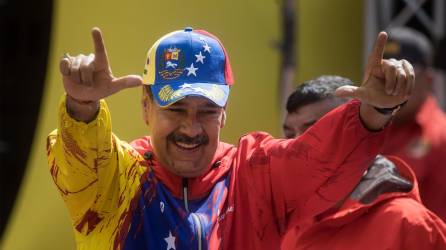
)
(196, 219)
(185, 195)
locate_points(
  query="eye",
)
(176, 110)
(209, 112)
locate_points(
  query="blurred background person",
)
(419, 129)
(384, 209)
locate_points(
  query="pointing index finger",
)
(99, 48)
(377, 54)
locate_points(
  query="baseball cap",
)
(409, 44)
(188, 63)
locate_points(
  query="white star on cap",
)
(200, 58)
(207, 48)
(186, 85)
(170, 241)
(191, 70)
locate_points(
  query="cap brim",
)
(167, 94)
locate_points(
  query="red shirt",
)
(422, 145)
(394, 220)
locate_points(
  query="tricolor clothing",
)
(120, 197)
(422, 144)
(387, 215)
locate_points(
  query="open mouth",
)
(187, 146)
(186, 143)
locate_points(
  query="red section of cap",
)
(228, 70)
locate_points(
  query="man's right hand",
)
(87, 79)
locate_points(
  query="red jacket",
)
(394, 220)
(422, 144)
(274, 184)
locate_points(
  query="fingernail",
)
(64, 68)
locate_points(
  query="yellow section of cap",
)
(150, 66)
(392, 48)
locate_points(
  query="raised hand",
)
(386, 83)
(89, 78)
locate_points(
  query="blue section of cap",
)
(167, 94)
(190, 57)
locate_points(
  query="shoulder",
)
(141, 145)
(255, 137)
(409, 212)
(258, 141)
(418, 226)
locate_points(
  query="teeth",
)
(188, 146)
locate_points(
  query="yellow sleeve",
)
(86, 162)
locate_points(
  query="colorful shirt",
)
(120, 197)
(422, 144)
(395, 220)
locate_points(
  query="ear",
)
(223, 119)
(145, 106)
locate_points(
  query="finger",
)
(401, 80)
(410, 76)
(101, 59)
(377, 54)
(75, 67)
(65, 65)
(124, 82)
(390, 74)
(87, 70)
(349, 92)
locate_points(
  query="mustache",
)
(178, 137)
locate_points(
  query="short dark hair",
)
(315, 90)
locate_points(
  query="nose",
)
(191, 126)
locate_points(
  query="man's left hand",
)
(387, 83)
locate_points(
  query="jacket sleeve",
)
(86, 162)
(309, 174)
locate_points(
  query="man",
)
(310, 101)
(419, 131)
(181, 188)
(383, 211)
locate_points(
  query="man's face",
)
(297, 122)
(185, 135)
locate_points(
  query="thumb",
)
(348, 92)
(129, 81)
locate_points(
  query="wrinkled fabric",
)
(395, 220)
(252, 195)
